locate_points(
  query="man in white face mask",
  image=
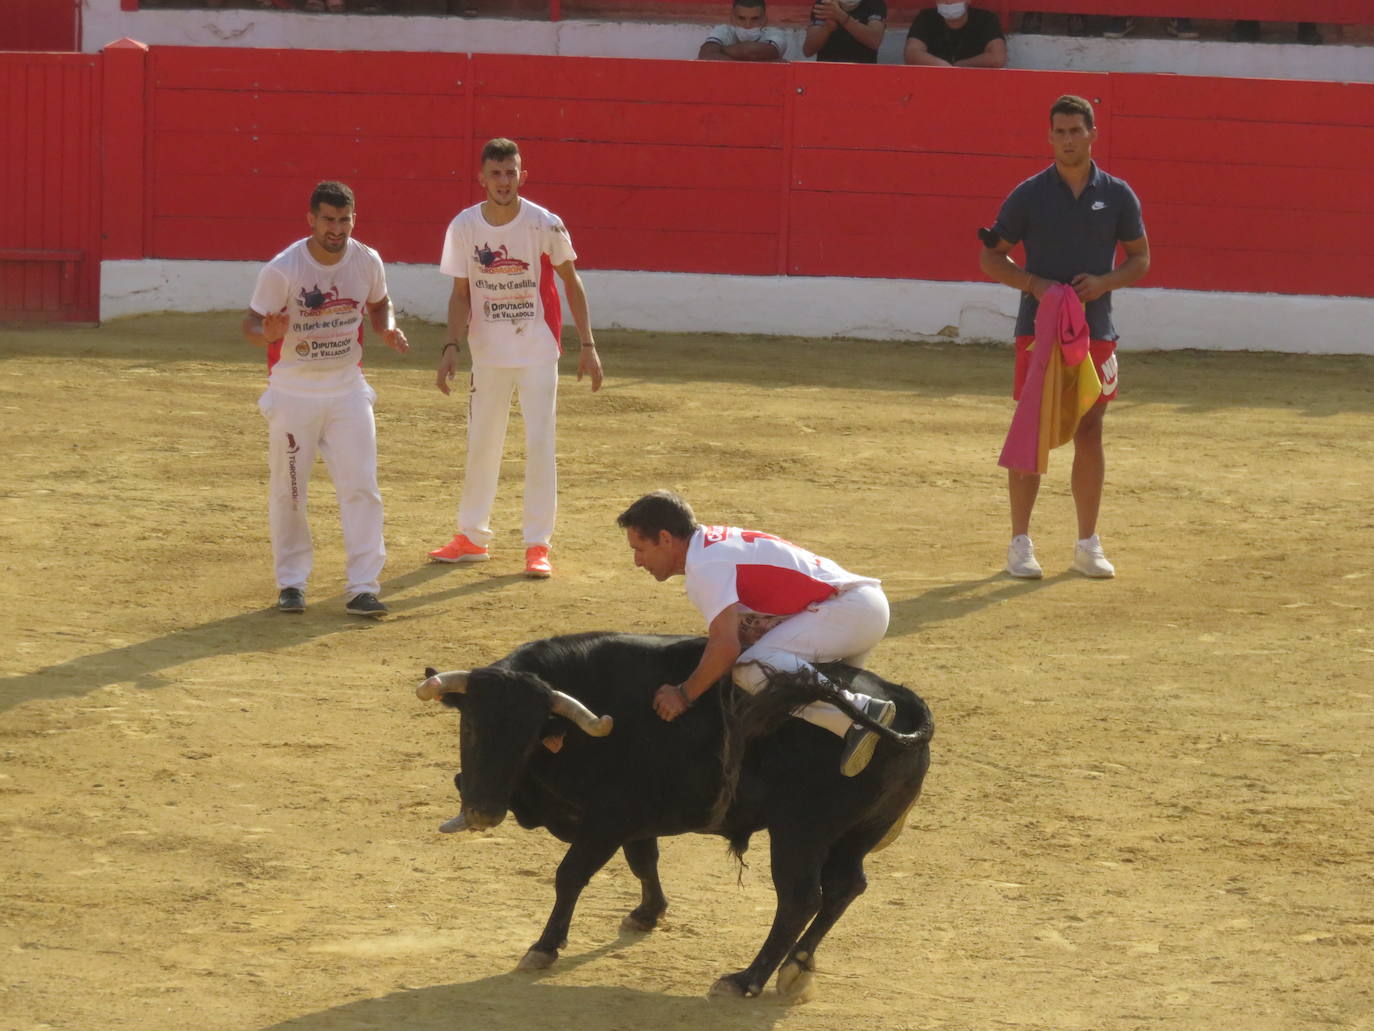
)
(745, 37)
(955, 34)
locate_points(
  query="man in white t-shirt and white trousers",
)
(503, 254)
(307, 312)
(767, 604)
(745, 37)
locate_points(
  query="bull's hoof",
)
(796, 982)
(536, 959)
(733, 986)
(639, 922)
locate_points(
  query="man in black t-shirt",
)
(956, 34)
(846, 30)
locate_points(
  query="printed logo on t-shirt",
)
(715, 534)
(499, 260)
(508, 287)
(325, 323)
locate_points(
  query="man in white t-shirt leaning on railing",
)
(745, 37)
(768, 604)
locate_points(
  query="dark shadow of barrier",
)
(257, 631)
(957, 600)
(520, 1002)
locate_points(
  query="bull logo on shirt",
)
(498, 260)
(314, 299)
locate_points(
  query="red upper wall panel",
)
(799, 169)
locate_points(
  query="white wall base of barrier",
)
(868, 309)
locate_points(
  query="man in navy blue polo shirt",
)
(1071, 217)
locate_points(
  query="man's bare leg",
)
(1089, 469)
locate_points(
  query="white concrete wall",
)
(868, 309)
(103, 23)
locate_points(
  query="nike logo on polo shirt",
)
(1098, 205)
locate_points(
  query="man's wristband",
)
(589, 347)
(453, 345)
(682, 692)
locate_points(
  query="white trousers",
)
(342, 431)
(488, 415)
(844, 628)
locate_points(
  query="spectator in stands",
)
(1249, 32)
(958, 35)
(846, 30)
(745, 37)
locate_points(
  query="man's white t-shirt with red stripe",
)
(516, 318)
(322, 352)
(763, 573)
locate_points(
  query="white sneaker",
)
(1089, 560)
(1021, 559)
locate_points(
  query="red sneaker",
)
(460, 549)
(537, 562)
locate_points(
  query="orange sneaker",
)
(460, 549)
(537, 562)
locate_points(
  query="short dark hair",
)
(750, 3)
(1068, 104)
(500, 149)
(333, 193)
(658, 511)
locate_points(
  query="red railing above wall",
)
(1332, 12)
(1336, 12)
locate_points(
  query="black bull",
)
(624, 787)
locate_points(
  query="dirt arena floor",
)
(1150, 799)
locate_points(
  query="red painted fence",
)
(801, 169)
(49, 218)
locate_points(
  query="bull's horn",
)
(570, 708)
(435, 684)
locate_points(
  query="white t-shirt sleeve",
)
(778, 38)
(378, 291)
(711, 588)
(270, 293)
(454, 260)
(724, 35)
(559, 246)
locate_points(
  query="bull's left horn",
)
(435, 684)
(587, 721)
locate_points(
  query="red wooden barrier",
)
(803, 169)
(49, 208)
(45, 25)
(800, 169)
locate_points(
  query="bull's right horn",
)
(588, 722)
(435, 684)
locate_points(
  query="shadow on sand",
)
(262, 630)
(519, 1001)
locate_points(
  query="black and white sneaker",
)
(366, 604)
(859, 741)
(291, 599)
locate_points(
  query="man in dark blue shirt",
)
(1071, 218)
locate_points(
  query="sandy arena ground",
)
(1150, 799)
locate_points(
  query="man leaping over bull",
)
(768, 604)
